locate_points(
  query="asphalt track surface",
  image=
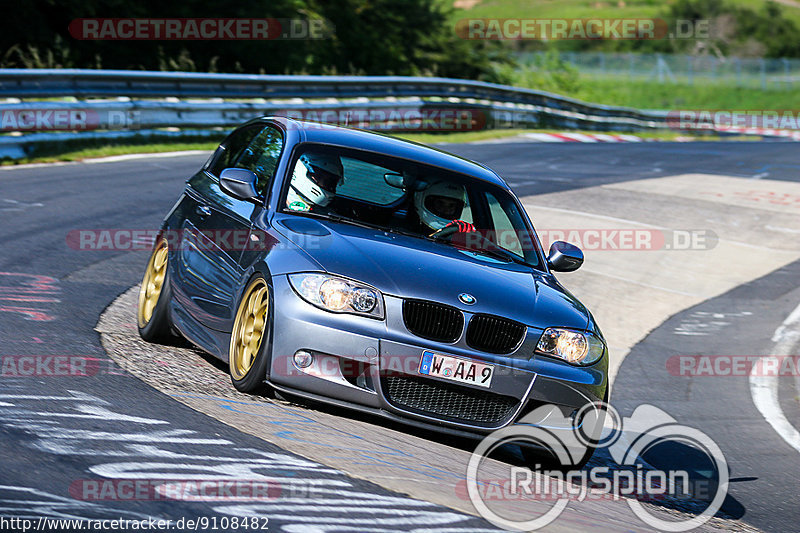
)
(57, 431)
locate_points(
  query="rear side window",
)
(261, 156)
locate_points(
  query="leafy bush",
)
(548, 72)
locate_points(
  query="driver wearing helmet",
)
(314, 181)
(440, 206)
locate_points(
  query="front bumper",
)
(372, 365)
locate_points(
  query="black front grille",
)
(445, 401)
(433, 321)
(493, 334)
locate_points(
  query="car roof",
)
(375, 142)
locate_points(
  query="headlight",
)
(337, 294)
(575, 347)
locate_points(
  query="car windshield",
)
(402, 196)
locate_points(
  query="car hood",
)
(408, 267)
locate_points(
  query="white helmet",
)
(315, 179)
(440, 203)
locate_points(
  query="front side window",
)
(505, 221)
(261, 156)
(232, 147)
(402, 196)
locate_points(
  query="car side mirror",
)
(239, 183)
(564, 257)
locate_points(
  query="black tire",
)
(158, 327)
(252, 379)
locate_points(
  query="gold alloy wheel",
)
(152, 283)
(248, 329)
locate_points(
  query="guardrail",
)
(91, 115)
(116, 104)
(50, 83)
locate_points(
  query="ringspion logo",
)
(628, 476)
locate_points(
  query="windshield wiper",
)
(501, 253)
(343, 220)
(406, 233)
(497, 252)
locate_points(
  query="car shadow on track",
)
(668, 457)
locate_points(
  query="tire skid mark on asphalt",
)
(16, 205)
(704, 323)
(161, 456)
(33, 504)
(23, 288)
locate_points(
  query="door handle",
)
(203, 210)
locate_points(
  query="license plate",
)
(456, 369)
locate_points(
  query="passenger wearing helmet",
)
(440, 206)
(314, 181)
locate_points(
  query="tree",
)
(403, 37)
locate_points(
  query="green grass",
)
(654, 95)
(543, 9)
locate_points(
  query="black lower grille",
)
(494, 334)
(445, 401)
(433, 321)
